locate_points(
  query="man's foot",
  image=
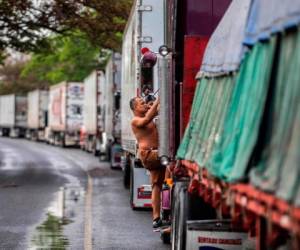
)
(157, 223)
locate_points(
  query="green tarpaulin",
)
(278, 168)
(210, 103)
(226, 116)
(231, 155)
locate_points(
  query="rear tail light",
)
(143, 194)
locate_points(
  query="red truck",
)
(189, 25)
(238, 157)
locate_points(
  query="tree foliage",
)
(13, 82)
(70, 58)
(66, 37)
(25, 24)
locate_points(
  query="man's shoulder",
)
(134, 120)
(137, 122)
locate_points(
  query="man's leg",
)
(156, 189)
(157, 179)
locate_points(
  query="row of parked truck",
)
(227, 78)
(85, 114)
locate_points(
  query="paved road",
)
(55, 198)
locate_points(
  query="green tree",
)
(25, 24)
(70, 58)
(12, 82)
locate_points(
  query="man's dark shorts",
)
(151, 162)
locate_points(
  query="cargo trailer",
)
(145, 28)
(65, 113)
(37, 117)
(13, 115)
(93, 112)
(111, 144)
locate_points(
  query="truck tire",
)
(165, 237)
(108, 153)
(179, 216)
(56, 139)
(185, 207)
(30, 136)
(96, 146)
(126, 175)
(111, 153)
(10, 133)
(95, 151)
(63, 140)
(105, 156)
(51, 139)
(131, 189)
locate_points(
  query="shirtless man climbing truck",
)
(146, 134)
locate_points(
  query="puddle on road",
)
(61, 212)
(49, 235)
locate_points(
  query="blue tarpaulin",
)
(267, 17)
(224, 51)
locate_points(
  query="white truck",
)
(111, 147)
(145, 28)
(65, 113)
(37, 114)
(91, 132)
(13, 115)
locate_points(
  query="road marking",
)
(88, 215)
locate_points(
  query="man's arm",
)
(151, 113)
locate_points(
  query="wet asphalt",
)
(55, 198)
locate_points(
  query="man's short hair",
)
(132, 103)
